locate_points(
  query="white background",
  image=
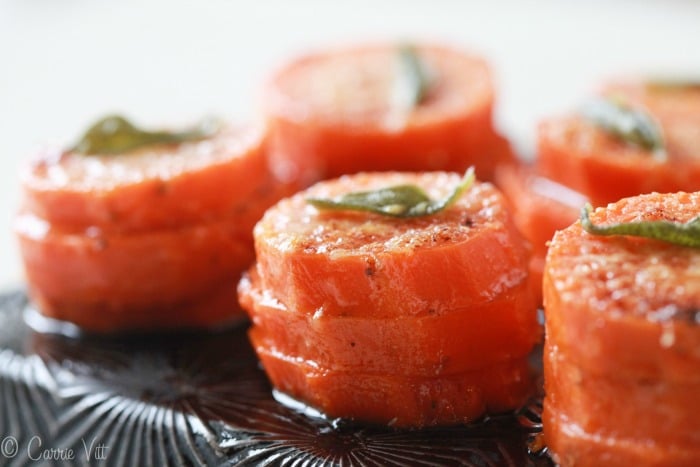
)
(63, 63)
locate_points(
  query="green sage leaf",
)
(115, 134)
(678, 233)
(413, 80)
(403, 201)
(633, 126)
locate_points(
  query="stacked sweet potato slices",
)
(404, 321)
(623, 344)
(383, 107)
(150, 238)
(632, 137)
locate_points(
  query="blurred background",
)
(65, 63)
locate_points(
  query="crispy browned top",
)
(625, 275)
(296, 226)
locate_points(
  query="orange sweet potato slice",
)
(444, 343)
(575, 152)
(112, 282)
(540, 207)
(340, 263)
(398, 400)
(627, 305)
(154, 187)
(335, 112)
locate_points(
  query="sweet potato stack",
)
(645, 139)
(622, 347)
(405, 321)
(383, 107)
(149, 237)
(659, 150)
(540, 207)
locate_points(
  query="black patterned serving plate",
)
(201, 399)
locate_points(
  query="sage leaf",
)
(413, 80)
(115, 134)
(403, 201)
(633, 126)
(678, 233)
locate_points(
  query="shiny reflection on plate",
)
(202, 399)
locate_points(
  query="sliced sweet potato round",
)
(152, 187)
(342, 111)
(443, 343)
(348, 263)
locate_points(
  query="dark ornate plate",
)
(196, 399)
